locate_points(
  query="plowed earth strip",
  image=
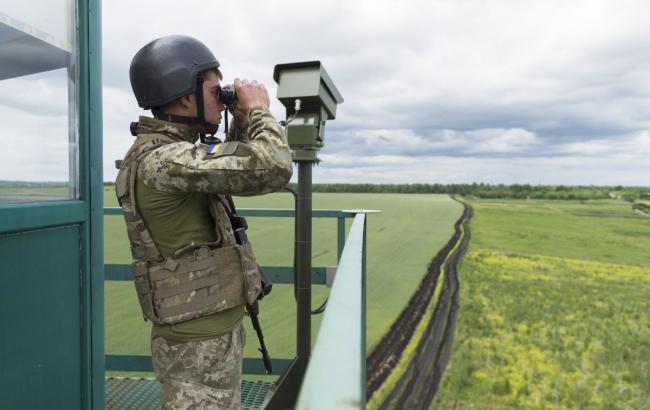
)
(417, 386)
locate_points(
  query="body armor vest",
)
(198, 279)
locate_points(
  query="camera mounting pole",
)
(310, 98)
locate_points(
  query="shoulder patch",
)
(222, 149)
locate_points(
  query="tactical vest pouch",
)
(143, 288)
(207, 281)
(250, 270)
(251, 273)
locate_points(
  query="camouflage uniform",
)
(260, 165)
(200, 375)
(203, 371)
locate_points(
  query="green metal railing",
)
(336, 374)
(278, 274)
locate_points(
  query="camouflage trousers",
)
(200, 375)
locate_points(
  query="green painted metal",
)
(364, 278)
(287, 386)
(117, 272)
(340, 235)
(277, 274)
(40, 309)
(281, 213)
(287, 391)
(144, 394)
(303, 259)
(91, 191)
(53, 265)
(335, 377)
(255, 365)
(128, 363)
(284, 274)
(142, 363)
(36, 215)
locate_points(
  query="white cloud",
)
(489, 141)
(43, 93)
(34, 118)
(51, 18)
(492, 140)
(636, 146)
(573, 170)
(120, 109)
(500, 82)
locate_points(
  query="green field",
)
(554, 307)
(401, 242)
(24, 194)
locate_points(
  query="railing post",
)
(340, 232)
(363, 312)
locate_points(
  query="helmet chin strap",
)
(210, 129)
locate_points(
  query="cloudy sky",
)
(451, 91)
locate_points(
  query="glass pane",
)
(38, 101)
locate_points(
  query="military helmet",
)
(167, 68)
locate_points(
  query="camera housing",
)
(308, 82)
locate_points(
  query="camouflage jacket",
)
(260, 162)
(176, 186)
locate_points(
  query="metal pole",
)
(303, 277)
(364, 279)
(288, 386)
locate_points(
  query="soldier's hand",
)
(249, 94)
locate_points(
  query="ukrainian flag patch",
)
(221, 149)
(213, 149)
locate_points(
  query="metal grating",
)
(125, 393)
(253, 394)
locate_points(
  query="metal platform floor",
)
(125, 393)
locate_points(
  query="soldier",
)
(191, 275)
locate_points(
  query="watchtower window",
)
(38, 101)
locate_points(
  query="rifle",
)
(253, 311)
(239, 227)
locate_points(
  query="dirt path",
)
(416, 387)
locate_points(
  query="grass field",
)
(401, 242)
(24, 194)
(554, 309)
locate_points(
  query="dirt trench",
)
(418, 384)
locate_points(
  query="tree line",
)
(493, 191)
(482, 190)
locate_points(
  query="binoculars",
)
(227, 95)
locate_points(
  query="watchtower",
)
(51, 227)
(51, 299)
